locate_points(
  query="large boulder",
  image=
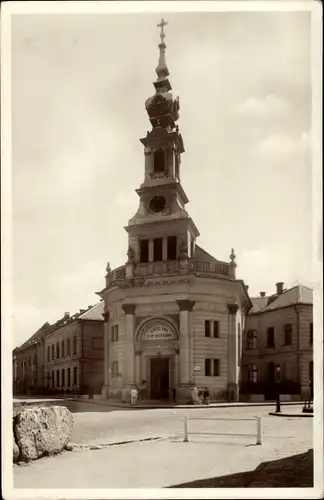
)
(42, 431)
(15, 449)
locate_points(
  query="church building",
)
(174, 315)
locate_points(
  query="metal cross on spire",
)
(161, 25)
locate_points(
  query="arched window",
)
(159, 161)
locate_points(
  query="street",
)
(168, 460)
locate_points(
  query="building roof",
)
(201, 254)
(33, 339)
(299, 294)
(94, 313)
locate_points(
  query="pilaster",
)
(105, 389)
(233, 386)
(185, 347)
(129, 353)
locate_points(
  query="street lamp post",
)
(278, 409)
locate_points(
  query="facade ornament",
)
(183, 250)
(108, 268)
(232, 256)
(130, 254)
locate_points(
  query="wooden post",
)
(186, 426)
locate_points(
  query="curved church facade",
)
(174, 315)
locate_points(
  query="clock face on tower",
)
(157, 204)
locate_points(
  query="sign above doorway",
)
(159, 331)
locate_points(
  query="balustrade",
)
(170, 267)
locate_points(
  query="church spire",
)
(162, 83)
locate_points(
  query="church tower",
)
(174, 314)
(161, 230)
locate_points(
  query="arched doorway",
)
(157, 348)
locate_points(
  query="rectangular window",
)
(53, 380)
(288, 334)
(172, 247)
(270, 337)
(216, 368)
(48, 353)
(311, 333)
(63, 378)
(74, 345)
(57, 350)
(97, 343)
(57, 378)
(75, 375)
(63, 349)
(114, 333)
(157, 249)
(310, 369)
(251, 338)
(53, 351)
(68, 377)
(216, 329)
(252, 374)
(207, 367)
(68, 347)
(207, 328)
(144, 250)
(114, 369)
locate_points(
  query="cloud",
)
(283, 146)
(268, 107)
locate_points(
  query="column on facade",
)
(148, 162)
(151, 250)
(129, 352)
(233, 385)
(138, 371)
(165, 248)
(185, 342)
(105, 390)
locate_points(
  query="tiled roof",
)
(297, 295)
(95, 313)
(37, 335)
(201, 254)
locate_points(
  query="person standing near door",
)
(134, 396)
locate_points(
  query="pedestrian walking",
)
(134, 396)
(206, 396)
(200, 396)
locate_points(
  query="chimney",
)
(82, 311)
(262, 294)
(279, 286)
(66, 315)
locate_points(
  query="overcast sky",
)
(79, 83)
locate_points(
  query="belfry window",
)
(157, 249)
(159, 161)
(172, 247)
(144, 250)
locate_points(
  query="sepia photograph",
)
(162, 328)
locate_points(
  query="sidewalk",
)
(146, 405)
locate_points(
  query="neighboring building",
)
(173, 313)
(28, 364)
(73, 353)
(279, 331)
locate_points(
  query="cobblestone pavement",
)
(102, 428)
(167, 461)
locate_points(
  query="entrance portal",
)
(159, 378)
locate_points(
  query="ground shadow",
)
(293, 472)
